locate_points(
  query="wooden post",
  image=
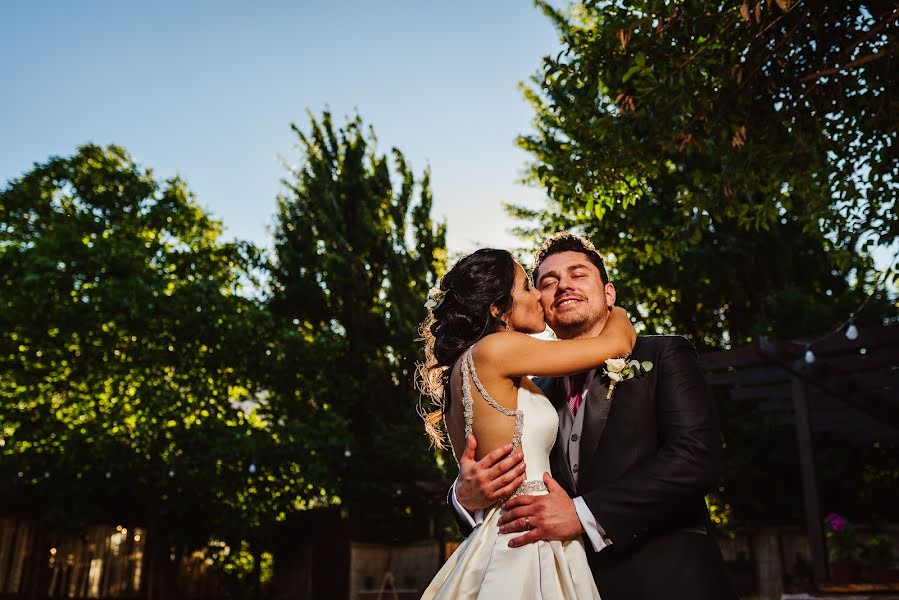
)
(813, 520)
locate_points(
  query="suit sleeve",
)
(467, 521)
(686, 465)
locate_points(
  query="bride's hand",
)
(619, 323)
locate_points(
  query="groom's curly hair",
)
(477, 282)
(565, 241)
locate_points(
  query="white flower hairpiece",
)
(435, 297)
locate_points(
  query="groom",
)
(632, 469)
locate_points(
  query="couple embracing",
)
(588, 480)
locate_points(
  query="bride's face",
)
(526, 314)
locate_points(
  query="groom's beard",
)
(585, 323)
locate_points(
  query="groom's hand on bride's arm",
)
(551, 516)
(484, 482)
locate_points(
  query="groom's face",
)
(575, 300)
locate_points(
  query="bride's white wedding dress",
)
(484, 566)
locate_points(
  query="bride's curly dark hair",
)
(476, 282)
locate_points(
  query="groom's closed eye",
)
(547, 281)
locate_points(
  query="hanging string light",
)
(809, 355)
(849, 328)
(852, 330)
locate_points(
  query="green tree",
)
(736, 166)
(744, 110)
(130, 341)
(355, 254)
(736, 163)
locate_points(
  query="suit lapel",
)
(596, 406)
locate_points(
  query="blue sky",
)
(208, 89)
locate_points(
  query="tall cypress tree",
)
(355, 254)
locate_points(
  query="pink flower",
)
(836, 522)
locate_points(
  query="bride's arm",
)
(510, 354)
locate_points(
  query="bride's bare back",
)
(490, 427)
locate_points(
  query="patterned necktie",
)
(576, 392)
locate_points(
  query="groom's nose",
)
(564, 285)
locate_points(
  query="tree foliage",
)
(149, 376)
(736, 162)
(355, 253)
(130, 350)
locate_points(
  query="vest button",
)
(574, 468)
(575, 437)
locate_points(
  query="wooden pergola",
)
(851, 391)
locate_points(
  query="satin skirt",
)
(484, 567)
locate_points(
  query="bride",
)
(478, 357)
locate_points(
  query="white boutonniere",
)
(622, 369)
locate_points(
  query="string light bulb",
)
(852, 331)
(809, 355)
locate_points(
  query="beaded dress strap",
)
(468, 375)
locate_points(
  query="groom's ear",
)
(611, 295)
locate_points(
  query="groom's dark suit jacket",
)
(648, 456)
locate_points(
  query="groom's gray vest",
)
(570, 429)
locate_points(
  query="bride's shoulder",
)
(496, 346)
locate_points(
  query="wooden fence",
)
(101, 561)
(392, 572)
(17, 541)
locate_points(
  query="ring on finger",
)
(527, 523)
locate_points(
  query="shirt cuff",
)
(595, 533)
(474, 520)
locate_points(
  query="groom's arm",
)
(465, 520)
(686, 465)
(483, 483)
